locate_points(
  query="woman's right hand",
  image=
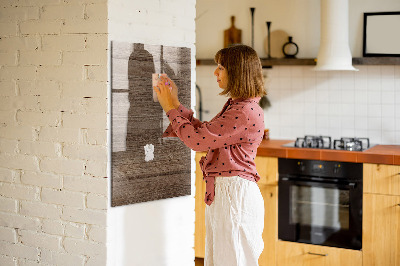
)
(174, 90)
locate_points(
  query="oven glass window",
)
(317, 207)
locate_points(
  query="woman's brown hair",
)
(245, 78)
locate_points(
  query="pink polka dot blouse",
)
(231, 139)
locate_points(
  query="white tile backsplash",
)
(387, 124)
(322, 121)
(375, 136)
(374, 83)
(335, 95)
(374, 97)
(361, 124)
(374, 110)
(348, 123)
(388, 97)
(322, 109)
(361, 110)
(387, 110)
(374, 123)
(397, 72)
(310, 109)
(348, 96)
(397, 111)
(397, 95)
(389, 135)
(347, 110)
(322, 95)
(364, 103)
(387, 71)
(388, 84)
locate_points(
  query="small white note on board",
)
(149, 152)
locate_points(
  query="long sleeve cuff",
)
(173, 114)
(184, 111)
(169, 132)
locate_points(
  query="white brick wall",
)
(61, 258)
(8, 234)
(8, 204)
(53, 227)
(53, 119)
(75, 230)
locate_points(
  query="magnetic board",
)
(145, 166)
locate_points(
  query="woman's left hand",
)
(163, 91)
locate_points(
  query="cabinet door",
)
(200, 207)
(381, 179)
(297, 254)
(381, 230)
(270, 233)
(267, 168)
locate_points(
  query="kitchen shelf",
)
(312, 61)
(265, 62)
(268, 62)
(376, 61)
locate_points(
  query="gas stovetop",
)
(325, 142)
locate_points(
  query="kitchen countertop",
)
(379, 154)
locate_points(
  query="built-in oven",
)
(320, 202)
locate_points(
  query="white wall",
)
(338, 104)
(299, 18)
(159, 232)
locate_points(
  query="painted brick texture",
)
(53, 120)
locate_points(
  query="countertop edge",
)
(378, 154)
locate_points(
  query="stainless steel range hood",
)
(334, 52)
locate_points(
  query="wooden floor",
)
(199, 262)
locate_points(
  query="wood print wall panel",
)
(137, 123)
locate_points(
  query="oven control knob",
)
(336, 169)
(302, 167)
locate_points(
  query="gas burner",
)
(321, 142)
(324, 142)
(351, 144)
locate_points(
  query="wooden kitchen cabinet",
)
(270, 233)
(298, 254)
(381, 215)
(267, 168)
(200, 207)
(381, 230)
(381, 179)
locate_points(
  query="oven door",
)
(320, 212)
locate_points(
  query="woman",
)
(235, 207)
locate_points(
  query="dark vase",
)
(290, 49)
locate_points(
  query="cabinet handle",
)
(318, 254)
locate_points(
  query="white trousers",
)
(234, 223)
